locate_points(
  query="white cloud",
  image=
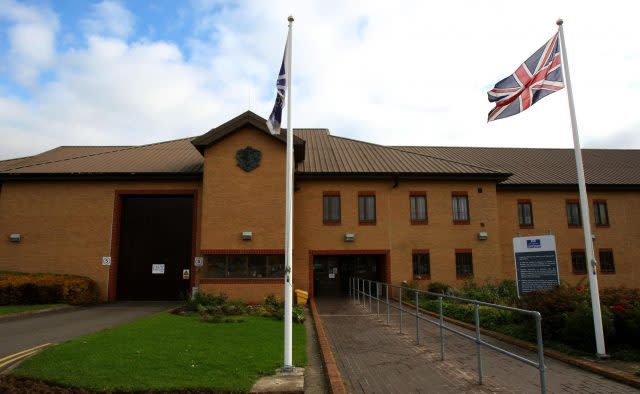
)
(110, 18)
(416, 74)
(31, 40)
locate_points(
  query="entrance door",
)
(331, 273)
(155, 246)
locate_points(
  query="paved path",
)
(376, 358)
(18, 334)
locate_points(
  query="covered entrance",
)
(155, 247)
(331, 272)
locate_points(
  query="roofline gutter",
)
(567, 186)
(499, 177)
(99, 176)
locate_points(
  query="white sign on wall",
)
(157, 269)
(198, 261)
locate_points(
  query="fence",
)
(363, 290)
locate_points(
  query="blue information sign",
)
(536, 263)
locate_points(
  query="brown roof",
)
(327, 155)
(548, 166)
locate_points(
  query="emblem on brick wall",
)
(248, 158)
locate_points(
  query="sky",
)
(78, 72)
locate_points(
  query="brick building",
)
(393, 213)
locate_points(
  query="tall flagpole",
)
(288, 240)
(584, 209)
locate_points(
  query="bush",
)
(579, 330)
(20, 288)
(438, 287)
(503, 293)
(553, 305)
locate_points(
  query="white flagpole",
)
(288, 234)
(584, 209)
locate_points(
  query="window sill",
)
(419, 222)
(579, 273)
(461, 222)
(233, 281)
(422, 277)
(367, 223)
(470, 276)
(526, 226)
(603, 225)
(608, 272)
(575, 226)
(332, 223)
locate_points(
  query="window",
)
(244, 266)
(464, 264)
(460, 207)
(331, 208)
(606, 261)
(418, 207)
(573, 213)
(367, 207)
(525, 214)
(421, 264)
(600, 212)
(578, 262)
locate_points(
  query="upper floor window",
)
(421, 264)
(606, 261)
(367, 207)
(600, 212)
(525, 213)
(418, 207)
(331, 207)
(578, 262)
(573, 213)
(464, 264)
(460, 207)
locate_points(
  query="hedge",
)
(21, 288)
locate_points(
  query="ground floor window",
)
(578, 262)
(464, 264)
(244, 266)
(421, 265)
(606, 261)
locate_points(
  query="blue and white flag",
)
(275, 119)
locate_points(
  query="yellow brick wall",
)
(549, 216)
(65, 225)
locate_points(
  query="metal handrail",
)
(358, 293)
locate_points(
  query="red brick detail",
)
(242, 251)
(334, 378)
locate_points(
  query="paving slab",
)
(374, 357)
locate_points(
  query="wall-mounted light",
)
(15, 237)
(247, 236)
(482, 235)
(349, 237)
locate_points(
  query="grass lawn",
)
(8, 309)
(165, 352)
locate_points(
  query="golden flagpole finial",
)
(290, 19)
(559, 22)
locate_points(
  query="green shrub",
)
(553, 305)
(201, 302)
(503, 293)
(234, 308)
(579, 330)
(438, 287)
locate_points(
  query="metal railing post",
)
(378, 298)
(441, 331)
(400, 305)
(478, 344)
(370, 295)
(388, 304)
(543, 381)
(350, 285)
(357, 290)
(417, 319)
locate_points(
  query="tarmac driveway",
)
(23, 333)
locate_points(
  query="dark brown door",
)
(155, 247)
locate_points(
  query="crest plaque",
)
(248, 158)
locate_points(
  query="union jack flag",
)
(539, 76)
(275, 119)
